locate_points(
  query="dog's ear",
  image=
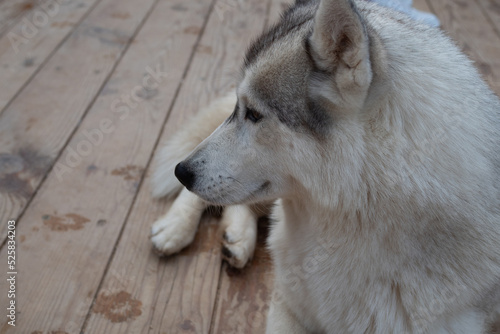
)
(339, 43)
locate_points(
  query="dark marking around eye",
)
(233, 115)
(253, 115)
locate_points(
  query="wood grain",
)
(13, 11)
(68, 233)
(421, 5)
(277, 7)
(84, 259)
(179, 292)
(244, 295)
(491, 9)
(23, 51)
(38, 123)
(466, 24)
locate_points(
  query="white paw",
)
(177, 228)
(172, 233)
(238, 245)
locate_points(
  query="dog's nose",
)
(185, 176)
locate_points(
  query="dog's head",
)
(303, 85)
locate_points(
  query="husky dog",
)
(382, 143)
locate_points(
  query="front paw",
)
(171, 233)
(237, 247)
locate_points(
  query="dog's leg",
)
(281, 321)
(177, 228)
(239, 223)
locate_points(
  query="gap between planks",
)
(35, 43)
(144, 14)
(143, 176)
(193, 95)
(18, 204)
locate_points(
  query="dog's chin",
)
(213, 198)
(219, 200)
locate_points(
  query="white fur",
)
(196, 129)
(177, 228)
(239, 224)
(389, 220)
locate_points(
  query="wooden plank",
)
(244, 295)
(465, 23)
(30, 42)
(491, 9)
(66, 236)
(70, 229)
(38, 123)
(12, 11)
(277, 7)
(178, 293)
(421, 5)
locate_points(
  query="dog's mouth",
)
(218, 197)
(256, 195)
(230, 191)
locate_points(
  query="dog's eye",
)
(253, 115)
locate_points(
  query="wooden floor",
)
(88, 90)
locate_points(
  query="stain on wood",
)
(118, 307)
(70, 221)
(192, 30)
(91, 169)
(121, 15)
(35, 163)
(205, 49)
(27, 5)
(129, 172)
(13, 185)
(29, 61)
(61, 24)
(494, 6)
(17, 170)
(147, 93)
(188, 326)
(186, 293)
(484, 68)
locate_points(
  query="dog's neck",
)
(339, 218)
